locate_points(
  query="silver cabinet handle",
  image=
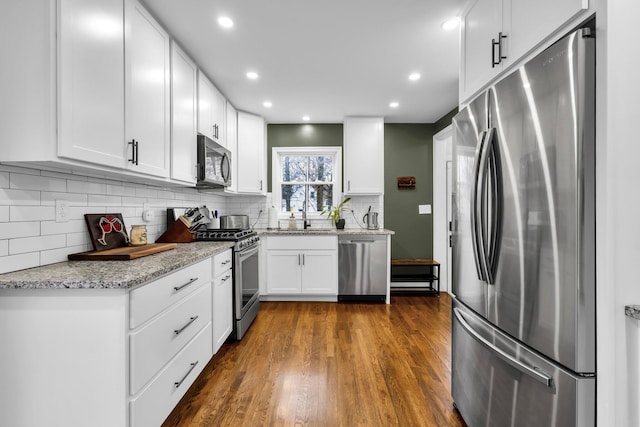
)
(225, 278)
(534, 372)
(349, 185)
(177, 288)
(191, 320)
(179, 383)
(225, 262)
(299, 263)
(260, 185)
(302, 259)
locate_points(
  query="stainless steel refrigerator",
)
(523, 323)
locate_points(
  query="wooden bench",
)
(416, 270)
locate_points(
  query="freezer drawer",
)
(498, 382)
(362, 267)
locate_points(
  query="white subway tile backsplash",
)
(71, 226)
(10, 230)
(73, 199)
(146, 192)
(86, 187)
(60, 255)
(78, 239)
(132, 201)
(4, 213)
(19, 197)
(32, 213)
(17, 169)
(21, 181)
(19, 262)
(102, 200)
(39, 243)
(4, 179)
(4, 247)
(120, 190)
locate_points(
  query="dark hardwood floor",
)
(331, 364)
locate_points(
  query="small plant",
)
(335, 212)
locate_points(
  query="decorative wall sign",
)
(406, 183)
(107, 231)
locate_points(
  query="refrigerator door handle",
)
(494, 170)
(478, 249)
(533, 372)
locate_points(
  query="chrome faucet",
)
(306, 223)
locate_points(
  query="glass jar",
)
(138, 235)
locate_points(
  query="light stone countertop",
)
(111, 274)
(320, 231)
(632, 311)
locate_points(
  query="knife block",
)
(178, 232)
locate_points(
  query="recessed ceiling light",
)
(225, 22)
(267, 104)
(252, 75)
(450, 24)
(414, 76)
(394, 105)
(306, 118)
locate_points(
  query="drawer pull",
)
(191, 320)
(177, 288)
(179, 383)
(225, 278)
(225, 262)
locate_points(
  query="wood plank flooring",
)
(331, 364)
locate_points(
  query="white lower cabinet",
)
(222, 298)
(302, 266)
(111, 357)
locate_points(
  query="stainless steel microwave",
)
(214, 164)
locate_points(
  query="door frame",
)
(442, 153)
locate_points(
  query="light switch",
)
(424, 209)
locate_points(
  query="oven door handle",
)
(246, 253)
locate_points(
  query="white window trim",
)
(276, 155)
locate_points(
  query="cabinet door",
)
(91, 81)
(533, 21)
(219, 108)
(147, 90)
(251, 154)
(183, 116)
(232, 146)
(283, 272)
(222, 309)
(205, 106)
(319, 272)
(364, 155)
(481, 23)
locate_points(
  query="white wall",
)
(442, 146)
(618, 206)
(29, 234)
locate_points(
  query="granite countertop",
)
(111, 274)
(320, 231)
(632, 311)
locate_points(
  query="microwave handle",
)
(226, 167)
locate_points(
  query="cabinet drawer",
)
(222, 262)
(160, 340)
(152, 298)
(158, 400)
(302, 242)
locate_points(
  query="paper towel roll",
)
(273, 218)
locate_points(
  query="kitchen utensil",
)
(371, 219)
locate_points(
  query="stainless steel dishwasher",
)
(362, 267)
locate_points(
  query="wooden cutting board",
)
(123, 253)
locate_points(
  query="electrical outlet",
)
(62, 211)
(147, 213)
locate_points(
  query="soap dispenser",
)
(292, 222)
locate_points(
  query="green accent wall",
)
(305, 135)
(444, 121)
(408, 151)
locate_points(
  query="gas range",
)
(244, 239)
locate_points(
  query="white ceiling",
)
(326, 58)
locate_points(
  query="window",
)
(310, 175)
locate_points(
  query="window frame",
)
(277, 153)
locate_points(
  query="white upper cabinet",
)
(147, 92)
(183, 116)
(251, 156)
(498, 33)
(232, 146)
(363, 155)
(211, 110)
(91, 81)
